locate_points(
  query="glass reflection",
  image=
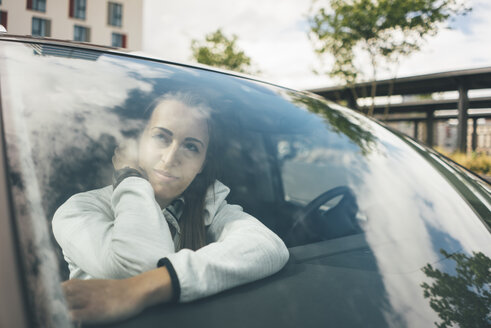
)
(339, 121)
(61, 104)
(413, 212)
(402, 200)
(283, 149)
(462, 298)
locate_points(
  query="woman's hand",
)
(103, 301)
(126, 155)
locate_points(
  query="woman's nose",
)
(170, 156)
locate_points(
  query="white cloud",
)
(455, 49)
(274, 34)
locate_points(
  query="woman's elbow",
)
(283, 254)
(277, 252)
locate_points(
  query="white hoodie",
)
(108, 234)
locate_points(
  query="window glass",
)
(287, 164)
(81, 33)
(40, 27)
(79, 9)
(115, 14)
(117, 40)
(39, 5)
(339, 189)
(3, 18)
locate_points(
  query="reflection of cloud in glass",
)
(191, 71)
(62, 123)
(62, 118)
(311, 166)
(65, 102)
(411, 208)
(331, 156)
(352, 125)
(142, 70)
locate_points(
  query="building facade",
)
(115, 23)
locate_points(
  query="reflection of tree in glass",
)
(338, 122)
(464, 299)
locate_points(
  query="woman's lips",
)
(164, 176)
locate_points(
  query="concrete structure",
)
(445, 133)
(426, 110)
(117, 23)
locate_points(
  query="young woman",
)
(163, 231)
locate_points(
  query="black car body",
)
(377, 225)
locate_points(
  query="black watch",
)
(126, 172)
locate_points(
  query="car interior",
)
(254, 156)
(251, 169)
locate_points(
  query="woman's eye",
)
(192, 147)
(160, 137)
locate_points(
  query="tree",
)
(385, 30)
(220, 51)
(463, 299)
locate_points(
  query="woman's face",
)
(172, 149)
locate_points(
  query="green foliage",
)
(220, 51)
(479, 163)
(384, 29)
(464, 299)
(425, 96)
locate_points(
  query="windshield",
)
(66, 110)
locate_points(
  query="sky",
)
(274, 34)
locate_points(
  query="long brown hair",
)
(191, 222)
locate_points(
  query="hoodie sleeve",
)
(116, 235)
(242, 250)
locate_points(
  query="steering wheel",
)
(338, 221)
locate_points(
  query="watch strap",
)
(126, 172)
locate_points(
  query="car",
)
(382, 231)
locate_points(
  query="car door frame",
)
(13, 300)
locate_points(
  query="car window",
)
(65, 111)
(280, 149)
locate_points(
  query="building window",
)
(38, 5)
(81, 33)
(115, 14)
(3, 18)
(118, 40)
(78, 8)
(41, 27)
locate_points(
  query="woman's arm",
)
(114, 235)
(243, 250)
